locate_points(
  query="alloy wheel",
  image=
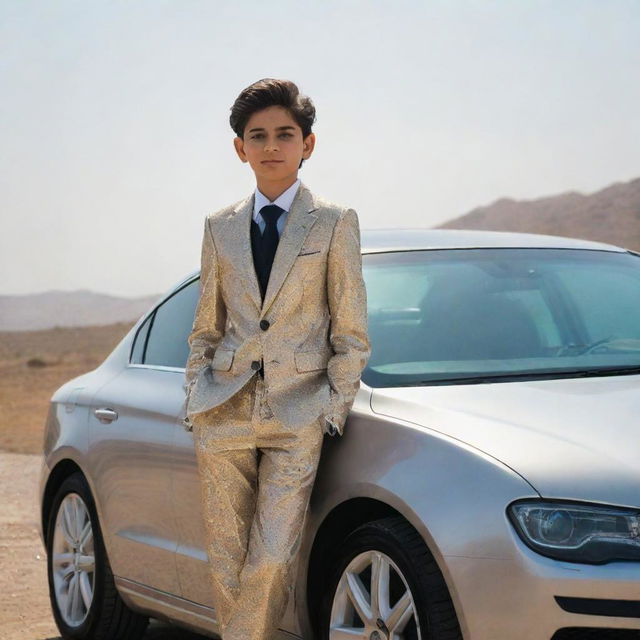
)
(73, 560)
(373, 601)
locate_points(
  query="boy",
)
(277, 348)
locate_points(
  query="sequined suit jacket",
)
(310, 332)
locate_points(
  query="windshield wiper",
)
(473, 379)
(530, 375)
(611, 371)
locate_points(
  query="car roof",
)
(415, 238)
(382, 240)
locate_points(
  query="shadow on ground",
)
(157, 631)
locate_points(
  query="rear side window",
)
(137, 355)
(162, 339)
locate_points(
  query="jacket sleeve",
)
(347, 299)
(211, 313)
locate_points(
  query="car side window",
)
(169, 328)
(137, 353)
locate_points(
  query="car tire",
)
(393, 549)
(83, 595)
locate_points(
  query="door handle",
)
(106, 415)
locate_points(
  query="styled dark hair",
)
(270, 92)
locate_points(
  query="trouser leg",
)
(227, 465)
(286, 475)
(228, 499)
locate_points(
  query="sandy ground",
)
(25, 611)
(33, 364)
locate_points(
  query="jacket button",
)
(255, 365)
(264, 324)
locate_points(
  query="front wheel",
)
(386, 585)
(84, 599)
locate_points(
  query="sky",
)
(115, 136)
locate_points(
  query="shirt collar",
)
(284, 200)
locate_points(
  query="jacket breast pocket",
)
(311, 360)
(311, 254)
(309, 263)
(222, 359)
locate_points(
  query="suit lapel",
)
(299, 220)
(238, 233)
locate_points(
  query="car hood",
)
(574, 438)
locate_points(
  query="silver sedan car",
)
(487, 485)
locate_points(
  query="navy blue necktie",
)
(269, 241)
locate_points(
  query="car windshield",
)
(474, 315)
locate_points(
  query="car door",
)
(133, 423)
(191, 555)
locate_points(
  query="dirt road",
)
(25, 612)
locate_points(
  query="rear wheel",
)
(387, 586)
(84, 598)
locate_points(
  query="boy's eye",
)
(284, 134)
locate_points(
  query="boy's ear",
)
(238, 143)
(308, 144)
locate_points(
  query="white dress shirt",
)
(284, 201)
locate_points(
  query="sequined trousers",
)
(256, 478)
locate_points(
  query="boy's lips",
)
(271, 161)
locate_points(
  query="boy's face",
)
(273, 145)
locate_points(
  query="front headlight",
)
(578, 533)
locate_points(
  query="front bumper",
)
(515, 598)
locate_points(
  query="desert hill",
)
(610, 215)
(81, 308)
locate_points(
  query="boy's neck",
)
(274, 188)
